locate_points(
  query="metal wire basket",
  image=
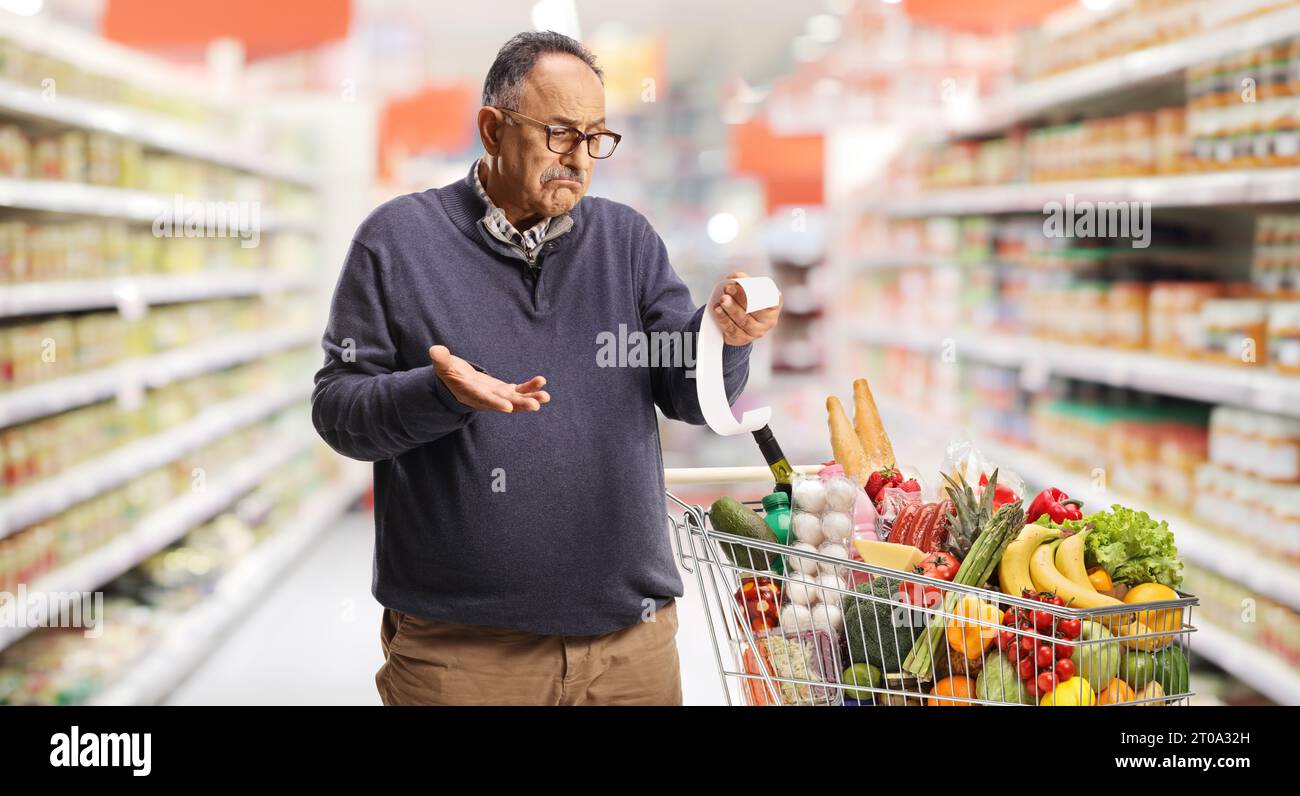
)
(851, 645)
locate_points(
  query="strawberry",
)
(875, 483)
(910, 485)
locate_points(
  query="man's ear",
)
(490, 124)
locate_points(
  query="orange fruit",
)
(1116, 692)
(1100, 580)
(960, 687)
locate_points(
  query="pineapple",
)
(973, 513)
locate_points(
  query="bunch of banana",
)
(1013, 569)
(1040, 560)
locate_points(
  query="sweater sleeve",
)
(362, 405)
(666, 306)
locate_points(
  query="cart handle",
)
(727, 475)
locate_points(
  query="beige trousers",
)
(441, 663)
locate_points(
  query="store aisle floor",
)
(314, 639)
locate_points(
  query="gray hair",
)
(517, 57)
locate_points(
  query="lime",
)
(1138, 668)
(861, 674)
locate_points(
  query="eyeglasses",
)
(563, 140)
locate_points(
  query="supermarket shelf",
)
(35, 298)
(53, 495)
(1037, 359)
(80, 199)
(886, 262)
(1198, 544)
(1202, 546)
(51, 397)
(1213, 189)
(1260, 669)
(1076, 86)
(194, 635)
(151, 130)
(159, 529)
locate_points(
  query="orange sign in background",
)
(184, 30)
(789, 166)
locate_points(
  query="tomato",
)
(943, 572)
(1044, 657)
(1012, 651)
(1069, 629)
(1009, 618)
(940, 566)
(1057, 600)
(1027, 644)
(1043, 621)
(1046, 682)
(1026, 668)
(1064, 669)
(920, 595)
(1064, 650)
(1006, 639)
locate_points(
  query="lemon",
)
(1074, 692)
(1169, 620)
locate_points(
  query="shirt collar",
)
(497, 223)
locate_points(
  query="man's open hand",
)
(738, 326)
(478, 390)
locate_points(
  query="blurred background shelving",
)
(887, 163)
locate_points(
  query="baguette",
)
(870, 430)
(844, 442)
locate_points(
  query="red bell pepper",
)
(1001, 494)
(1055, 504)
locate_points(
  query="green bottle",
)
(782, 472)
(776, 513)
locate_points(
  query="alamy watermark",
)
(1086, 219)
(35, 609)
(638, 349)
(193, 219)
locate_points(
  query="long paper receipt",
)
(760, 294)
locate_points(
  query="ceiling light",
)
(26, 8)
(723, 228)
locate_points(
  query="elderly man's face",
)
(532, 179)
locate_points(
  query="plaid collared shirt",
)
(528, 240)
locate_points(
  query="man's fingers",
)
(441, 358)
(526, 403)
(728, 326)
(739, 317)
(542, 396)
(532, 385)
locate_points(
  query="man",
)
(521, 545)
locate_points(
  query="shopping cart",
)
(851, 645)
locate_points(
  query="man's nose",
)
(579, 160)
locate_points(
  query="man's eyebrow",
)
(564, 120)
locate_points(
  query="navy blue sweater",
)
(551, 522)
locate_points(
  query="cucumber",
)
(1171, 671)
(733, 517)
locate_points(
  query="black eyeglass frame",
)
(579, 136)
